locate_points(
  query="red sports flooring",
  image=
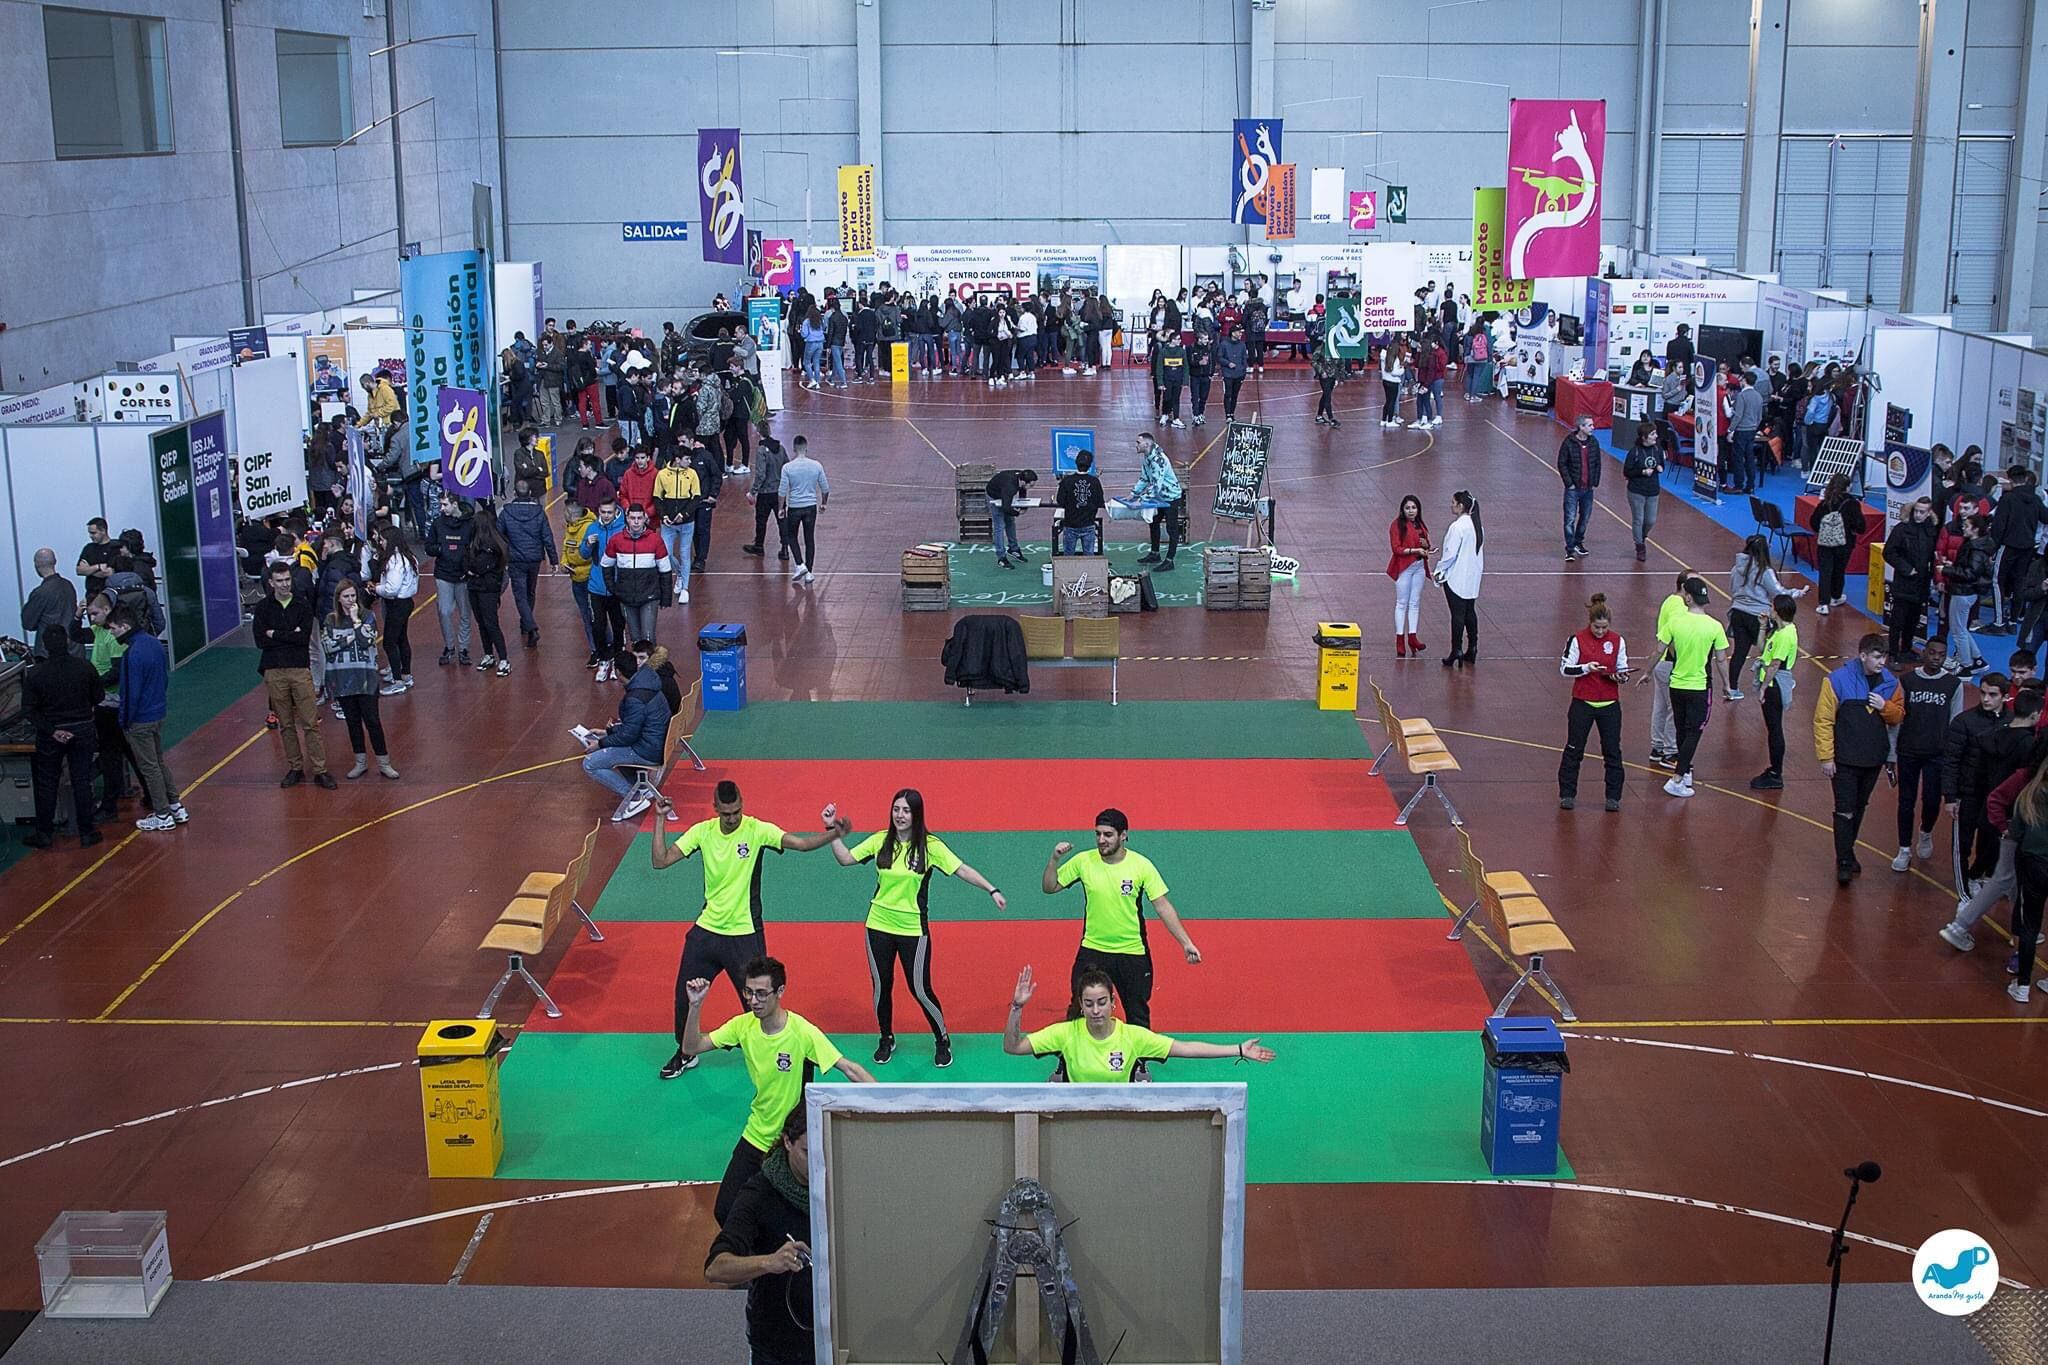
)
(1061, 793)
(1291, 976)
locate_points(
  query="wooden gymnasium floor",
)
(218, 1022)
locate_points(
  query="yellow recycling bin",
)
(1875, 594)
(1340, 643)
(459, 1092)
(899, 361)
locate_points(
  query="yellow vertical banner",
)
(1492, 290)
(857, 210)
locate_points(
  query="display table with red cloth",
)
(1578, 398)
(1859, 553)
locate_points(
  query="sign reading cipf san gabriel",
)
(447, 301)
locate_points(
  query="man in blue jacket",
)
(145, 701)
(607, 617)
(636, 737)
(525, 524)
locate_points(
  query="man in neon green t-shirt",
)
(783, 1051)
(1099, 1047)
(1695, 641)
(728, 932)
(1118, 882)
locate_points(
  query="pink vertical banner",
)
(1556, 153)
(1365, 210)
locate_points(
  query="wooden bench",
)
(648, 777)
(1512, 887)
(1097, 644)
(530, 919)
(1526, 931)
(1421, 749)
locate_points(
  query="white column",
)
(2023, 186)
(1931, 187)
(1263, 106)
(868, 63)
(1758, 234)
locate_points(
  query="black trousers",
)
(360, 714)
(1774, 725)
(484, 605)
(607, 625)
(1198, 393)
(706, 954)
(114, 755)
(2013, 562)
(1323, 408)
(1464, 624)
(1743, 629)
(1919, 774)
(2026, 910)
(1903, 624)
(1834, 565)
(739, 441)
(1689, 710)
(1391, 410)
(398, 635)
(1853, 786)
(746, 1160)
(1169, 398)
(1230, 388)
(1976, 840)
(700, 549)
(51, 756)
(801, 523)
(1129, 973)
(764, 512)
(1580, 721)
(1173, 520)
(914, 951)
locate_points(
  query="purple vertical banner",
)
(720, 204)
(213, 509)
(465, 443)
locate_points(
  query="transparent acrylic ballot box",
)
(104, 1265)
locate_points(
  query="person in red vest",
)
(1596, 660)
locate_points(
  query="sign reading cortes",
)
(139, 398)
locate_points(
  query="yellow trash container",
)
(459, 1092)
(899, 361)
(1875, 594)
(1340, 643)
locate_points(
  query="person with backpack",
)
(1478, 363)
(1256, 318)
(1837, 524)
(580, 369)
(761, 492)
(486, 557)
(579, 522)
(528, 540)
(607, 617)
(1326, 369)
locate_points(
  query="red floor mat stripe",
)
(1062, 793)
(1295, 976)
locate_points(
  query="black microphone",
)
(1867, 1172)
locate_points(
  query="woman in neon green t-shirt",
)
(1100, 1047)
(1774, 685)
(899, 918)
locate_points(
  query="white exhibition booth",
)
(59, 475)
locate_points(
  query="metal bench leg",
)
(515, 965)
(554, 1010)
(589, 924)
(968, 699)
(1112, 682)
(1379, 758)
(1464, 918)
(1413, 801)
(491, 1000)
(1543, 979)
(1507, 1002)
(693, 755)
(1444, 797)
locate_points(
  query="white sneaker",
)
(1088, 369)
(179, 813)
(1419, 422)
(1678, 786)
(157, 822)
(1822, 609)
(637, 806)
(391, 689)
(1436, 421)
(682, 597)
(809, 577)
(2018, 992)
(1178, 422)
(1903, 861)
(604, 672)
(796, 575)
(1957, 937)
(1923, 847)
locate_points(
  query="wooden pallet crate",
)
(927, 597)
(919, 568)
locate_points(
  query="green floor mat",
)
(1136, 729)
(978, 581)
(1339, 1107)
(206, 685)
(1274, 874)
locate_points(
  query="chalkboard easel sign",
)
(1246, 448)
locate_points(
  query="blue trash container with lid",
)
(1523, 1097)
(722, 654)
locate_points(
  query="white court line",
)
(1573, 1186)
(445, 1214)
(203, 1104)
(1815, 1066)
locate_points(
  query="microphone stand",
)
(1837, 1249)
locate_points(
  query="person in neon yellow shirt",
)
(728, 933)
(1696, 642)
(1098, 1047)
(1663, 728)
(899, 918)
(1774, 685)
(1118, 882)
(783, 1052)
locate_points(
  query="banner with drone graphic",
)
(720, 204)
(1556, 155)
(1254, 167)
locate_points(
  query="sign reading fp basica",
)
(447, 300)
(465, 448)
(721, 207)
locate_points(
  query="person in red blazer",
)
(1408, 566)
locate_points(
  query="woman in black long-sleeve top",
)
(1837, 524)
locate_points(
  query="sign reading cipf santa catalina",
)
(654, 232)
(447, 303)
(465, 447)
(1556, 149)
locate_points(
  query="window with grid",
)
(1842, 215)
(110, 87)
(1976, 256)
(1699, 198)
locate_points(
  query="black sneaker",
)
(942, 1054)
(448, 657)
(463, 658)
(782, 555)
(1567, 802)
(1165, 566)
(292, 778)
(593, 661)
(1614, 803)
(677, 1065)
(885, 1049)
(1766, 781)
(1149, 557)
(754, 550)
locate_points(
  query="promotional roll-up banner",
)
(857, 210)
(1387, 281)
(1908, 477)
(178, 540)
(1556, 149)
(754, 243)
(213, 511)
(447, 309)
(1364, 211)
(721, 208)
(465, 443)
(1254, 153)
(1280, 210)
(1492, 290)
(778, 262)
(1706, 431)
(1344, 336)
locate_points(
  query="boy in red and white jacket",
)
(1596, 660)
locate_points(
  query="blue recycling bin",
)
(1523, 1097)
(722, 657)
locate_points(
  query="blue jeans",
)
(601, 765)
(1436, 398)
(1425, 400)
(1079, 539)
(1578, 511)
(814, 352)
(1961, 648)
(837, 355)
(1005, 524)
(1744, 447)
(680, 541)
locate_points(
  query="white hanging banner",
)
(1326, 194)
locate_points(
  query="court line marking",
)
(163, 1114)
(426, 1218)
(1684, 1201)
(928, 441)
(1807, 1023)
(186, 937)
(476, 1239)
(1857, 1072)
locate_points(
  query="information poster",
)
(213, 514)
(1706, 435)
(1908, 477)
(1246, 449)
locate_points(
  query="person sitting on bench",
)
(635, 738)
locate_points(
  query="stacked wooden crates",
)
(927, 579)
(1236, 578)
(970, 482)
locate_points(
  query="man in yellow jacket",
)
(1859, 703)
(383, 398)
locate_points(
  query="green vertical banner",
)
(1344, 336)
(178, 542)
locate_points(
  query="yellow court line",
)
(928, 441)
(239, 1023)
(105, 1015)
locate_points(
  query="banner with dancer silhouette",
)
(1557, 150)
(1254, 163)
(721, 203)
